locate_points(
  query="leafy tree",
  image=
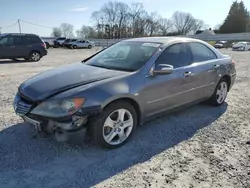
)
(236, 20)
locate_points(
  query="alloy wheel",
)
(35, 56)
(221, 93)
(118, 126)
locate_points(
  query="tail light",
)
(44, 45)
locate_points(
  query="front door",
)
(7, 48)
(164, 92)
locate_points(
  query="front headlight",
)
(56, 109)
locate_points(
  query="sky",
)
(52, 13)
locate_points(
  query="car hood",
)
(57, 80)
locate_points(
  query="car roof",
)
(164, 40)
(19, 34)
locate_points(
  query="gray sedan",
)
(110, 93)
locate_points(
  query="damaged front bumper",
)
(46, 125)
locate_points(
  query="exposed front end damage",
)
(60, 128)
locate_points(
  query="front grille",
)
(21, 106)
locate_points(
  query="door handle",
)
(186, 74)
(215, 67)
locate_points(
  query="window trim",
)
(192, 56)
(188, 51)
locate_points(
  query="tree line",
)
(121, 20)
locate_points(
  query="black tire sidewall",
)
(97, 124)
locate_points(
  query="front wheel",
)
(89, 47)
(115, 126)
(220, 93)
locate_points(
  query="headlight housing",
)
(61, 108)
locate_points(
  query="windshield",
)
(126, 56)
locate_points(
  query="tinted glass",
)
(18, 40)
(176, 55)
(201, 52)
(127, 56)
(31, 39)
(7, 41)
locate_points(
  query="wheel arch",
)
(228, 79)
(131, 101)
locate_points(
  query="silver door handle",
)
(186, 74)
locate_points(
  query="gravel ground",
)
(200, 146)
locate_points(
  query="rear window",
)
(32, 39)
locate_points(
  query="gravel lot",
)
(201, 146)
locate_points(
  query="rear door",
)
(205, 69)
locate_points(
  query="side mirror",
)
(162, 69)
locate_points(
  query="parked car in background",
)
(113, 91)
(59, 41)
(221, 44)
(67, 42)
(49, 41)
(241, 46)
(81, 44)
(27, 46)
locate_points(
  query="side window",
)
(7, 41)
(4, 41)
(34, 39)
(19, 40)
(201, 52)
(176, 55)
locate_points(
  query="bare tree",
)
(183, 22)
(165, 26)
(118, 20)
(86, 32)
(56, 32)
(67, 30)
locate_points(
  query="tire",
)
(222, 88)
(47, 45)
(35, 56)
(74, 47)
(89, 47)
(107, 137)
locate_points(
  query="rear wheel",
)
(220, 93)
(74, 47)
(114, 126)
(89, 47)
(35, 56)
